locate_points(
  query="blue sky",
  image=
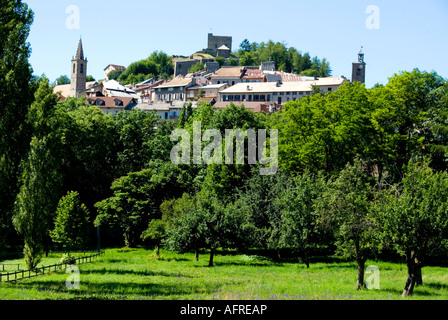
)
(412, 33)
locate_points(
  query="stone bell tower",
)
(359, 69)
(79, 72)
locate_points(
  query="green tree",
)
(18, 87)
(114, 74)
(197, 67)
(137, 198)
(298, 227)
(220, 60)
(345, 207)
(184, 225)
(245, 46)
(156, 232)
(324, 132)
(36, 203)
(71, 225)
(413, 218)
(62, 80)
(135, 129)
(232, 62)
(400, 117)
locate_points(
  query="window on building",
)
(82, 69)
(330, 89)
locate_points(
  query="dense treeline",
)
(285, 59)
(160, 66)
(361, 171)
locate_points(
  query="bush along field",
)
(139, 274)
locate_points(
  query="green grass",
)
(134, 274)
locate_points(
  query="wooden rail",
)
(26, 274)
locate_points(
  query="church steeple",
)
(79, 72)
(80, 52)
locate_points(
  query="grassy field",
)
(135, 274)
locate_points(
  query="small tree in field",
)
(156, 233)
(346, 207)
(71, 223)
(413, 219)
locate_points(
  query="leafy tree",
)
(114, 74)
(184, 225)
(220, 60)
(90, 154)
(62, 80)
(157, 65)
(413, 218)
(156, 232)
(298, 227)
(90, 78)
(400, 118)
(324, 132)
(135, 129)
(18, 87)
(345, 207)
(245, 46)
(197, 67)
(37, 200)
(232, 62)
(260, 195)
(137, 199)
(71, 225)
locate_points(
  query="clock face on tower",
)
(361, 67)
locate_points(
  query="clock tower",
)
(359, 69)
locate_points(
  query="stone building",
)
(215, 42)
(79, 72)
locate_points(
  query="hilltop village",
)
(259, 88)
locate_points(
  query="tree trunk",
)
(196, 255)
(307, 259)
(410, 282)
(210, 263)
(418, 275)
(360, 283)
(361, 261)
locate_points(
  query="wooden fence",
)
(26, 274)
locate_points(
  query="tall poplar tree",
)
(15, 98)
